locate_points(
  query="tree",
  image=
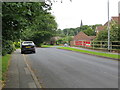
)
(115, 31)
(102, 36)
(26, 20)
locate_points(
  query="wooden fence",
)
(114, 45)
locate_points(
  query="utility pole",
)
(108, 29)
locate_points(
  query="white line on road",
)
(32, 73)
(27, 71)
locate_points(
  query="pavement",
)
(56, 68)
(19, 73)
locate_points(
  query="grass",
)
(114, 56)
(5, 63)
(46, 46)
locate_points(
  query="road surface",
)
(56, 68)
(65, 69)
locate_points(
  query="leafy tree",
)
(89, 30)
(64, 40)
(114, 33)
(27, 21)
(102, 36)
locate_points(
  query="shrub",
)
(7, 47)
(17, 44)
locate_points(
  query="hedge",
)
(7, 47)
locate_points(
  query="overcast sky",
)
(69, 14)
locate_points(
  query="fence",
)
(114, 45)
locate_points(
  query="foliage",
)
(89, 30)
(102, 36)
(17, 44)
(68, 33)
(26, 21)
(64, 40)
(7, 47)
(114, 33)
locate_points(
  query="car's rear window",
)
(27, 42)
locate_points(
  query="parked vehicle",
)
(27, 46)
(65, 45)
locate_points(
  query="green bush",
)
(17, 44)
(7, 47)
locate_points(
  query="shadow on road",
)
(28, 53)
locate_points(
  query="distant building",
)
(103, 27)
(52, 40)
(82, 39)
(99, 28)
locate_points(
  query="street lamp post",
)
(108, 29)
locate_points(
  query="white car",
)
(27, 46)
(65, 45)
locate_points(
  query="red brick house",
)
(115, 19)
(81, 39)
(101, 28)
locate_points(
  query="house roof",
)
(83, 36)
(115, 19)
(92, 37)
(106, 24)
(100, 28)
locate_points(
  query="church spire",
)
(81, 23)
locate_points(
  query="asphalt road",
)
(55, 68)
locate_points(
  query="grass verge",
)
(46, 46)
(5, 63)
(114, 56)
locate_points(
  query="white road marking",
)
(38, 85)
(27, 71)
